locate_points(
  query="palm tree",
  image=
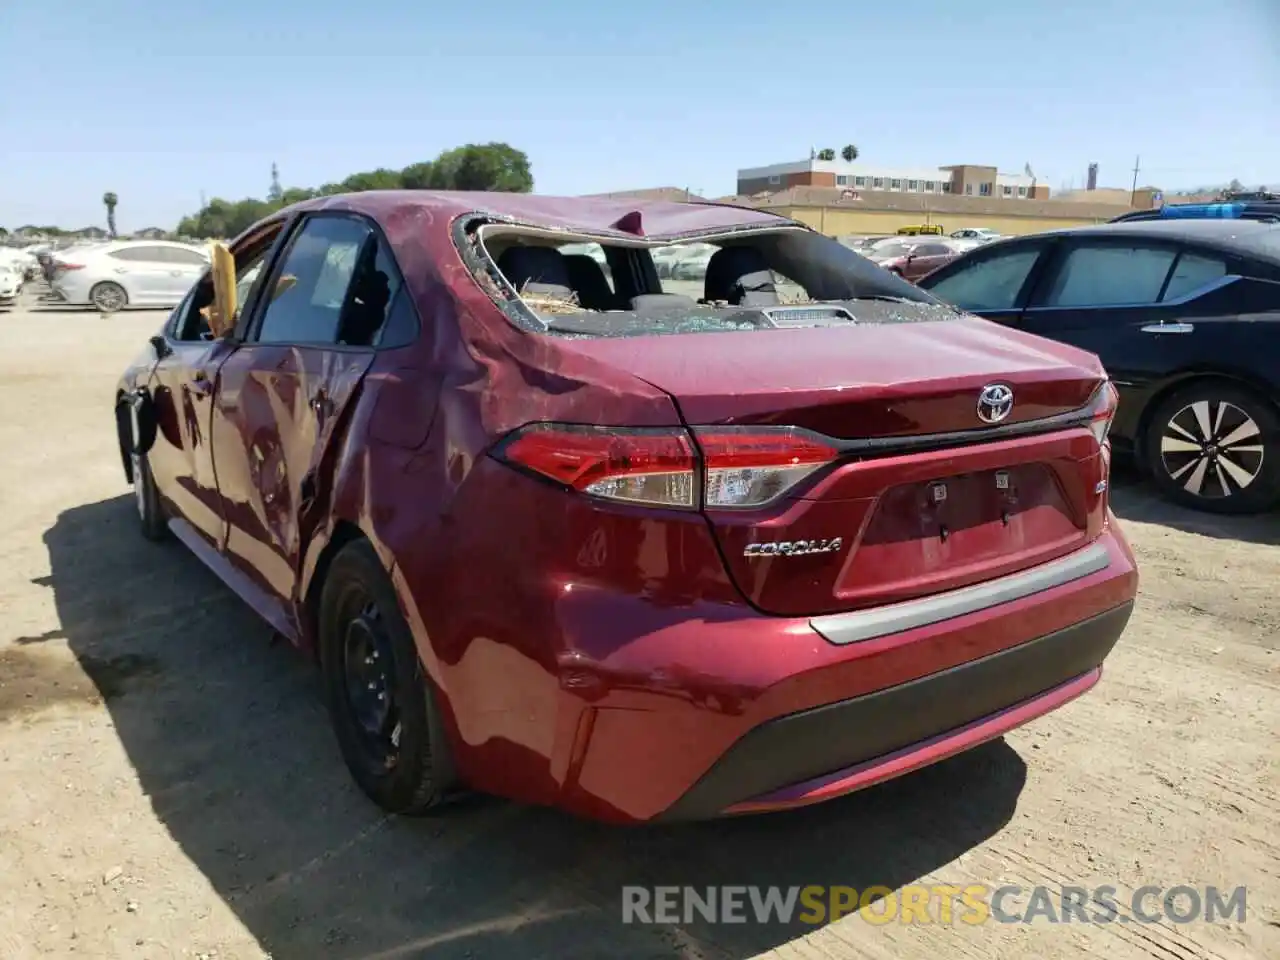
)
(826, 153)
(850, 153)
(110, 200)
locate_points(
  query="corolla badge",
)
(792, 548)
(995, 402)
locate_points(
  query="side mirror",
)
(161, 346)
(221, 313)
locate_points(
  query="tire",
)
(108, 297)
(151, 518)
(393, 744)
(1189, 462)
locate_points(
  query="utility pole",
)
(1133, 193)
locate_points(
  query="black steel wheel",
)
(1213, 446)
(380, 699)
(151, 519)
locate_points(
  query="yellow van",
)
(932, 229)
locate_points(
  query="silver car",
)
(128, 273)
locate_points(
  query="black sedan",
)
(1185, 316)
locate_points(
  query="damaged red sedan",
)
(560, 530)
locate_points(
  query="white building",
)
(966, 179)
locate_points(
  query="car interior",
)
(744, 272)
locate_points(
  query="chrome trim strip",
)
(842, 628)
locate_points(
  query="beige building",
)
(844, 212)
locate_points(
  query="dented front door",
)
(281, 401)
(277, 410)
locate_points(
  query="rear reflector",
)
(751, 467)
(726, 468)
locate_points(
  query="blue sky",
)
(160, 100)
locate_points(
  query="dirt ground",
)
(171, 788)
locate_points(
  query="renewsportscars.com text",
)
(971, 904)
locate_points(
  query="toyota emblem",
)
(995, 402)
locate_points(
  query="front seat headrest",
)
(589, 280)
(739, 276)
(540, 270)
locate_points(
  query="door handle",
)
(1169, 328)
(175, 273)
(200, 383)
(321, 403)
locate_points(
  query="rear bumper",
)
(692, 714)
(789, 761)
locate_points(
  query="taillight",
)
(725, 468)
(750, 466)
(644, 466)
(59, 265)
(1102, 410)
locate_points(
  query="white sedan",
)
(128, 273)
(10, 281)
(978, 235)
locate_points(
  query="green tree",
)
(295, 195)
(109, 200)
(826, 153)
(850, 153)
(380, 179)
(484, 166)
(416, 176)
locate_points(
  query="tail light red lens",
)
(654, 467)
(724, 468)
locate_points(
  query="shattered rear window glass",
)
(762, 280)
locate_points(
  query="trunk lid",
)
(909, 521)
(870, 380)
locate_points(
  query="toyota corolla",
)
(570, 536)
